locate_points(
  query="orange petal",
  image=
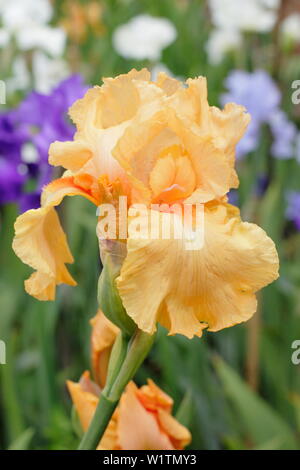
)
(107, 106)
(84, 402)
(81, 185)
(213, 173)
(132, 427)
(153, 398)
(211, 286)
(71, 155)
(172, 179)
(138, 429)
(178, 434)
(101, 118)
(103, 337)
(168, 84)
(137, 148)
(40, 241)
(225, 127)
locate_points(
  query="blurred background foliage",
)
(236, 389)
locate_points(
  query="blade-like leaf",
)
(260, 421)
(23, 441)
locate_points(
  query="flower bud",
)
(112, 255)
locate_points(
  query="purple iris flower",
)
(261, 185)
(11, 181)
(284, 133)
(233, 197)
(25, 136)
(293, 207)
(256, 91)
(261, 97)
(11, 173)
(298, 147)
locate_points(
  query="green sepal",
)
(110, 301)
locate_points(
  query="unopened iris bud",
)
(113, 254)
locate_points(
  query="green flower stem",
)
(102, 416)
(126, 365)
(116, 360)
(138, 349)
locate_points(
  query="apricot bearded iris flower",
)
(156, 142)
(143, 419)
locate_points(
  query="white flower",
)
(26, 20)
(29, 153)
(144, 37)
(220, 42)
(247, 15)
(290, 27)
(4, 37)
(50, 40)
(20, 79)
(19, 13)
(48, 72)
(232, 17)
(271, 3)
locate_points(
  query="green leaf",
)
(76, 423)
(23, 441)
(260, 421)
(273, 444)
(185, 410)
